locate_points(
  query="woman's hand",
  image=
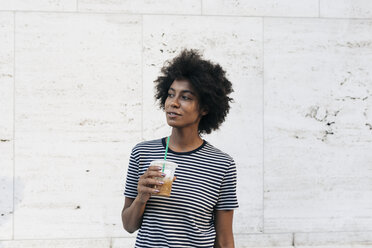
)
(135, 207)
(147, 182)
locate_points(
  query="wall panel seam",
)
(204, 15)
(263, 124)
(142, 64)
(319, 8)
(14, 109)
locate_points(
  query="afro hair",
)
(207, 78)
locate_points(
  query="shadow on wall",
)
(7, 202)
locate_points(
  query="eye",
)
(186, 98)
(170, 95)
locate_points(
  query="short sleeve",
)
(227, 199)
(132, 176)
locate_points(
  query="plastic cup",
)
(169, 170)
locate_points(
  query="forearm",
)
(224, 231)
(132, 216)
(224, 244)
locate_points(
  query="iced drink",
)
(169, 169)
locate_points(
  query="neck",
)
(183, 141)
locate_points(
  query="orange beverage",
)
(165, 189)
(169, 169)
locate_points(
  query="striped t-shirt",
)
(206, 181)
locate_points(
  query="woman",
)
(193, 92)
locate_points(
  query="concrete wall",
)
(76, 83)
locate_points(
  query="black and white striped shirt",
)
(206, 181)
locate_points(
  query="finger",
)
(154, 174)
(149, 182)
(154, 168)
(147, 190)
(174, 178)
(152, 182)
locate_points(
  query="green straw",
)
(166, 151)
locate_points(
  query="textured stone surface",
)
(334, 238)
(335, 246)
(123, 242)
(308, 8)
(6, 76)
(82, 80)
(346, 8)
(142, 6)
(7, 5)
(41, 5)
(65, 243)
(263, 240)
(6, 123)
(78, 115)
(237, 45)
(318, 132)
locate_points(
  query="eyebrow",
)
(184, 91)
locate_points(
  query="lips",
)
(173, 114)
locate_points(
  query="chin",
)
(173, 124)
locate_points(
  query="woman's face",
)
(182, 105)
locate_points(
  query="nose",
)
(174, 103)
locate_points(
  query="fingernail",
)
(161, 182)
(156, 191)
(163, 174)
(159, 168)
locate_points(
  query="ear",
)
(204, 111)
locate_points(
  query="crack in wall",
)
(323, 115)
(353, 101)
